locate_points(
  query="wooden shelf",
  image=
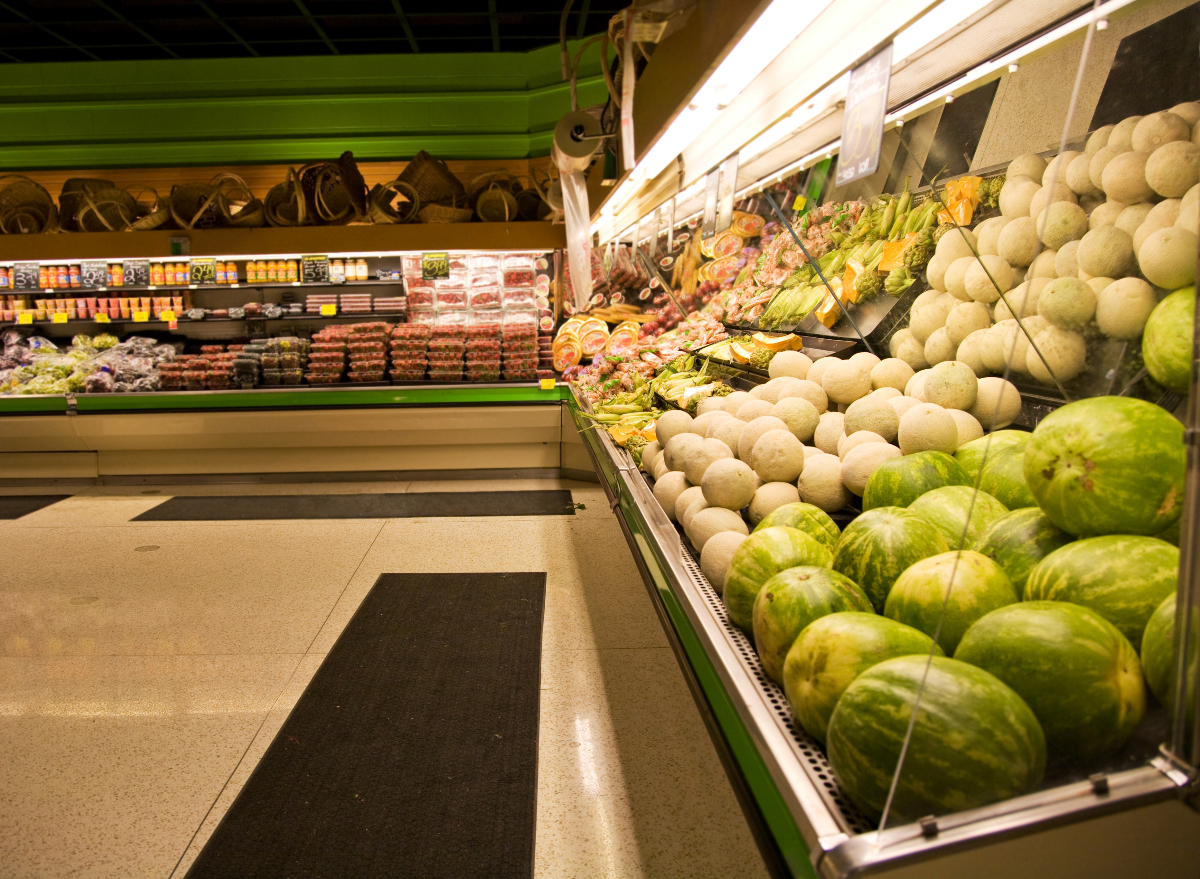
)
(74, 246)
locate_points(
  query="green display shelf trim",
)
(31, 405)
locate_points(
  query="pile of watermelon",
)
(1023, 623)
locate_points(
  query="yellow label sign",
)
(167, 316)
(25, 317)
(141, 317)
(328, 310)
(547, 384)
(59, 318)
(103, 319)
(800, 202)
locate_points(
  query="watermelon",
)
(791, 600)
(962, 514)
(880, 544)
(900, 481)
(979, 586)
(1081, 677)
(974, 741)
(1171, 533)
(1107, 465)
(972, 454)
(1004, 478)
(1019, 540)
(1122, 578)
(1158, 653)
(1167, 340)
(761, 556)
(813, 521)
(835, 649)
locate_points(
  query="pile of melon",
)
(1030, 626)
(1086, 246)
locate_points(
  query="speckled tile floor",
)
(139, 687)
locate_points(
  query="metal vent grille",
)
(806, 749)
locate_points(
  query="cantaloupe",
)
(693, 508)
(912, 352)
(872, 413)
(770, 497)
(969, 428)
(1157, 129)
(997, 404)
(668, 489)
(1029, 165)
(865, 359)
(1065, 265)
(830, 432)
(774, 387)
(886, 393)
(851, 441)
(956, 277)
(1016, 195)
(967, 317)
(817, 370)
(916, 386)
(863, 460)
(1098, 284)
(778, 456)
(703, 421)
(800, 416)
(1124, 178)
(1098, 163)
(752, 431)
(1132, 217)
(928, 319)
(1123, 307)
(903, 403)
(1168, 258)
(1061, 222)
(1056, 168)
(1078, 176)
(755, 408)
(1105, 251)
(970, 352)
(891, 373)
(951, 385)
(707, 524)
(676, 448)
(938, 347)
(1105, 214)
(729, 483)
(928, 427)
(699, 456)
(1041, 200)
(658, 467)
(718, 555)
(672, 422)
(821, 483)
(651, 449)
(987, 277)
(1021, 301)
(987, 234)
(728, 431)
(1018, 242)
(1173, 168)
(1098, 139)
(734, 401)
(1058, 351)
(935, 273)
(845, 381)
(1120, 138)
(1043, 265)
(1188, 111)
(956, 243)
(1068, 303)
(689, 496)
(789, 363)
(1163, 214)
(807, 389)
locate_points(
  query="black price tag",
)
(203, 271)
(435, 266)
(93, 273)
(25, 276)
(137, 273)
(314, 269)
(862, 125)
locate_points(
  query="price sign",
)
(203, 271)
(25, 276)
(93, 273)
(547, 384)
(862, 124)
(328, 310)
(435, 266)
(141, 317)
(314, 269)
(137, 273)
(102, 318)
(25, 317)
(59, 317)
(167, 316)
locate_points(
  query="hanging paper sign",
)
(708, 226)
(862, 124)
(435, 266)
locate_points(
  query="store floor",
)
(148, 665)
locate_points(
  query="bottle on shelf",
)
(360, 269)
(292, 272)
(231, 272)
(156, 274)
(44, 278)
(73, 276)
(118, 275)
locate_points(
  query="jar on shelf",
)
(272, 271)
(156, 274)
(360, 269)
(292, 272)
(231, 272)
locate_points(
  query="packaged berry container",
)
(518, 278)
(520, 374)
(363, 347)
(407, 375)
(446, 375)
(483, 363)
(411, 331)
(518, 296)
(326, 357)
(417, 345)
(547, 373)
(328, 345)
(220, 381)
(520, 346)
(370, 328)
(420, 297)
(447, 344)
(212, 349)
(289, 360)
(482, 376)
(484, 261)
(457, 279)
(447, 361)
(484, 297)
(518, 329)
(368, 365)
(485, 278)
(425, 316)
(451, 330)
(483, 330)
(518, 261)
(195, 379)
(481, 345)
(322, 378)
(367, 376)
(291, 376)
(452, 298)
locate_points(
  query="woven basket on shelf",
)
(70, 200)
(285, 205)
(432, 179)
(25, 206)
(451, 213)
(197, 206)
(110, 210)
(153, 210)
(383, 209)
(326, 198)
(492, 198)
(530, 204)
(241, 209)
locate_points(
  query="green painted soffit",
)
(262, 110)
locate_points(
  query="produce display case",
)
(962, 148)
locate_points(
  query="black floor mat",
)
(432, 504)
(16, 506)
(413, 752)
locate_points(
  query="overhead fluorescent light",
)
(932, 26)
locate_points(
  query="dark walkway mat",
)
(413, 752)
(432, 504)
(16, 506)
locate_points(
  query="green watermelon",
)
(1171, 533)
(1167, 340)
(1107, 465)
(962, 514)
(835, 649)
(900, 481)
(791, 600)
(1079, 674)
(1019, 540)
(974, 740)
(813, 521)
(979, 586)
(971, 455)
(1158, 656)
(761, 556)
(1122, 578)
(876, 548)
(1004, 478)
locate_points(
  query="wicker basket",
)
(198, 206)
(496, 204)
(70, 200)
(285, 205)
(530, 204)
(241, 209)
(153, 213)
(110, 210)
(25, 206)
(431, 179)
(383, 209)
(439, 213)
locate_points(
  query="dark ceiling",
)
(123, 30)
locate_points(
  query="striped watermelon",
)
(974, 740)
(813, 521)
(761, 556)
(791, 600)
(900, 481)
(1079, 674)
(1107, 465)
(957, 510)
(1019, 540)
(1167, 340)
(978, 587)
(972, 454)
(835, 649)
(1004, 478)
(1158, 652)
(880, 544)
(1122, 578)
(1170, 534)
